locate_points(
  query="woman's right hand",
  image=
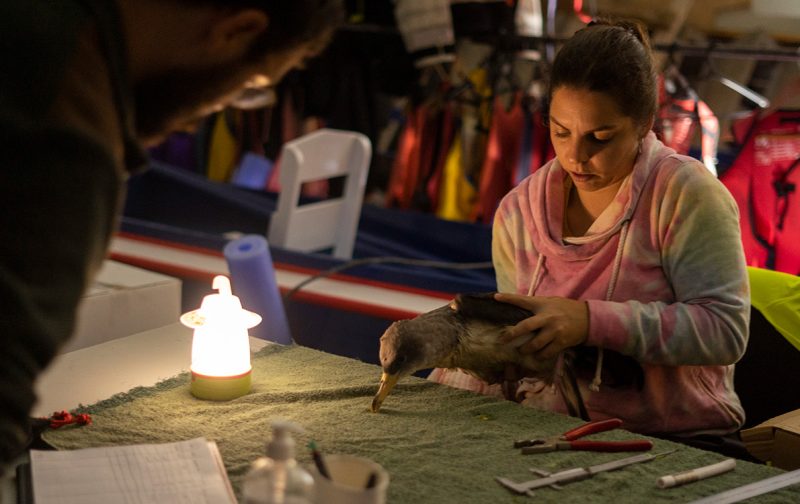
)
(559, 323)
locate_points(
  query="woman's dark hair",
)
(291, 22)
(612, 57)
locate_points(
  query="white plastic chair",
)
(331, 223)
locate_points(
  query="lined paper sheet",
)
(184, 472)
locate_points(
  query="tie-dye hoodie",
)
(664, 276)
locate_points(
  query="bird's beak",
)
(388, 382)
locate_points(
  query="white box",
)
(95, 373)
(124, 300)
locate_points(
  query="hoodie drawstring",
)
(595, 385)
(559, 367)
(536, 273)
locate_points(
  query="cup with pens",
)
(347, 479)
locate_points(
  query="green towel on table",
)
(439, 444)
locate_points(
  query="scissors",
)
(570, 440)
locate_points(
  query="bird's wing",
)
(491, 369)
(484, 307)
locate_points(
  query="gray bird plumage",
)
(464, 334)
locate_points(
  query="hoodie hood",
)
(548, 215)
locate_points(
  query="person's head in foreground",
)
(189, 58)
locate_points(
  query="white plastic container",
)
(349, 481)
(278, 478)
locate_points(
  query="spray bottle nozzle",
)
(281, 447)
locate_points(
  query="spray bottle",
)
(278, 478)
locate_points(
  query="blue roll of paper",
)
(253, 279)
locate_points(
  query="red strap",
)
(591, 428)
(502, 152)
(577, 6)
(434, 184)
(61, 418)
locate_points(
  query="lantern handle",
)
(222, 284)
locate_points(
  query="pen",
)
(318, 460)
(696, 474)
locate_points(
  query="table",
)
(439, 444)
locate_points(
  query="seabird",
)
(465, 334)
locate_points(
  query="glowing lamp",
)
(221, 346)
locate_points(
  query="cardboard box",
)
(125, 300)
(776, 441)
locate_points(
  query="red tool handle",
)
(611, 446)
(591, 428)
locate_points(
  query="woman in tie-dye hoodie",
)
(627, 252)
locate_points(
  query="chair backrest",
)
(330, 223)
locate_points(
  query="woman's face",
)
(594, 141)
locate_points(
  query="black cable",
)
(386, 259)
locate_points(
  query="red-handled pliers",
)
(569, 440)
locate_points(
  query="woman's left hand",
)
(558, 323)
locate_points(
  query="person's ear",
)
(233, 32)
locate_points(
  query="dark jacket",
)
(66, 149)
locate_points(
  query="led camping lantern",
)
(221, 346)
